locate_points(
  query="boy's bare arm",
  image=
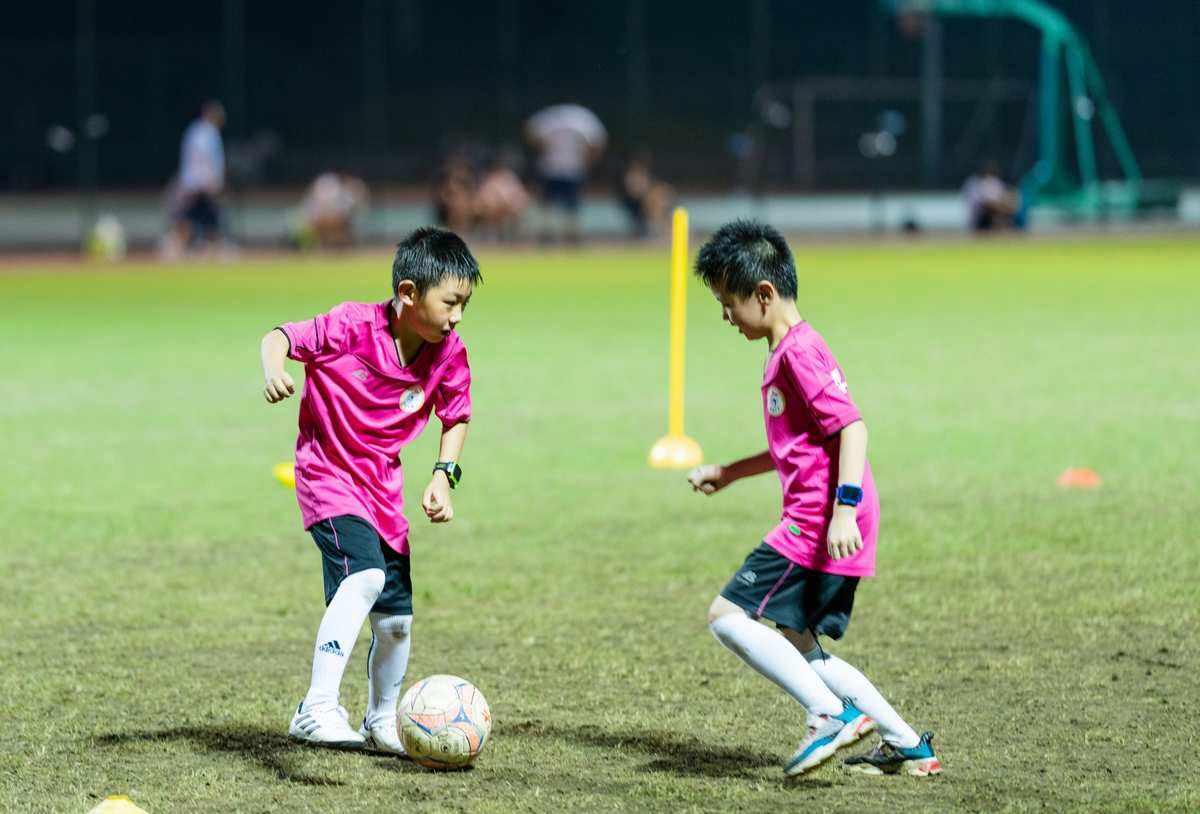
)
(844, 538)
(711, 478)
(453, 439)
(436, 499)
(273, 350)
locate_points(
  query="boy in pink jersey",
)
(804, 574)
(373, 374)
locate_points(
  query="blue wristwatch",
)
(848, 495)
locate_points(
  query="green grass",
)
(161, 596)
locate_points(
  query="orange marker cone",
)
(1079, 478)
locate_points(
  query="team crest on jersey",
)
(412, 399)
(775, 402)
(838, 379)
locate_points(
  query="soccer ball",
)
(444, 722)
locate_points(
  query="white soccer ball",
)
(444, 722)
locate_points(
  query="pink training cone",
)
(1079, 478)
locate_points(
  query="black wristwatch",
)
(453, 472)
(849, 495)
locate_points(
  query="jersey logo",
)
(412, 399)
(836, 375)
(775, 402)
(360, 374)
(747, 577)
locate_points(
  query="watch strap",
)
(849, 495)
(453, 472)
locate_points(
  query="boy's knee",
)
(368, 584)
(721, 606)
(396, 628)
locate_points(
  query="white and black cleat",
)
(383, 736)
(325, 727)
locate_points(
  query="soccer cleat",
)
(324, 727)
(823, 740)
(855, 730)
(383, 737)
(919, 761)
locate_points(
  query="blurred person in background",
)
(454, 193)
(568, 139)
(991, 204)
(329, 209)
(644, 198)
(196, 219)
(501, 200)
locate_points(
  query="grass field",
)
(161, 596)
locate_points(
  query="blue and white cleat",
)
(834, 732)
(855, 730)
(919, 761)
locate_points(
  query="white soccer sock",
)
(768, 652)
(387, 663)
(845, 680)
(339, 630)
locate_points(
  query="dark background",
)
(383, 88)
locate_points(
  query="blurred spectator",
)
(196, 216)
(330, 206)
(568, 139)
(501, 200)
(991, 204)
(645, 199)
(454, 193)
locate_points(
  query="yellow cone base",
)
(285, 473)
(675, 452)
(117, 804)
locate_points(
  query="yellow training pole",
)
(675, 450)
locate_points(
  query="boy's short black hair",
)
(430, 255)
(743, 253)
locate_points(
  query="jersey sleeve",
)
(823, 387)
(452, 399)
(321, 337)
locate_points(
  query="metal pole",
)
(1085, 154)
(760, 44)
(879, 38)
(636, 69)
(85, 106)
(1047, 169)
(932, 85)
(374, 76)
(234, 36)
(804, 159)
(508, 21)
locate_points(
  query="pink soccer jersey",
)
(806, 401)
(360, 407)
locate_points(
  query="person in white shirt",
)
(333, 201)
(196, 218)
(569, 139)
(991, 205)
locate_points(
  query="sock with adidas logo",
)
(338, 632)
